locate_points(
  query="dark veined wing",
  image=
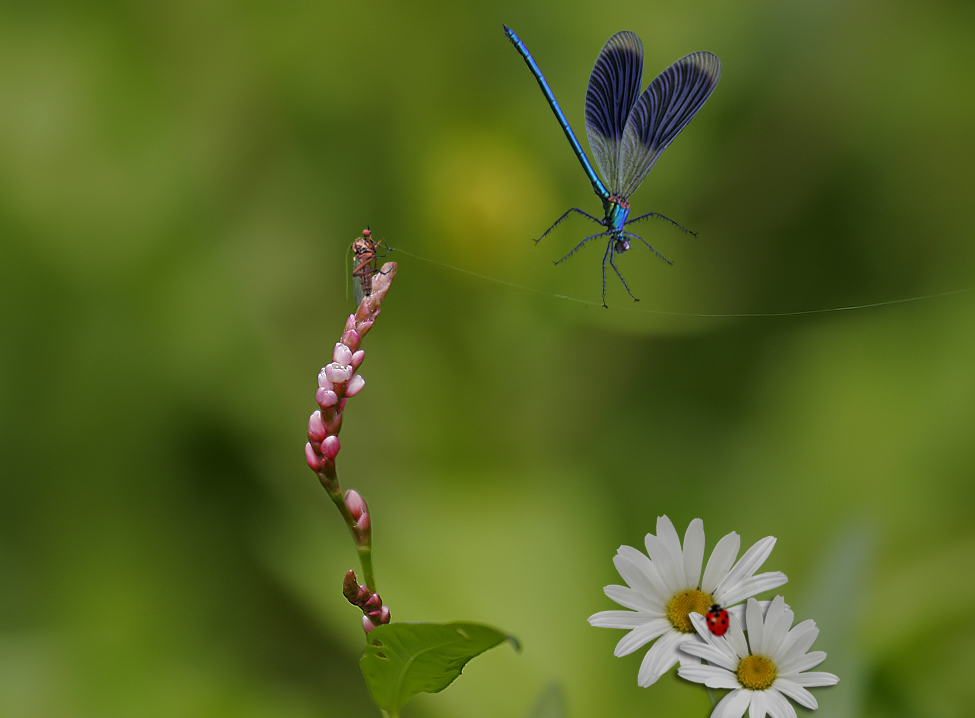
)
(662, 111)
(614, 87)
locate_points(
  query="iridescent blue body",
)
(627, 129)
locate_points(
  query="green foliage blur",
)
(179, 186)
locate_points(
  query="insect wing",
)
(363, 261)
(662, 111)
(614, 87)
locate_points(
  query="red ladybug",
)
(717, 619)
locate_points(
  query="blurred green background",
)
(179, 186)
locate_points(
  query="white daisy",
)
(763, 676)
(667, 587)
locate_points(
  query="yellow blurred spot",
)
(482, 198)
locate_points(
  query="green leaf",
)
(403, 659)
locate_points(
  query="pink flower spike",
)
(351, 339)
(355, 385)
(330, 447)
(312, 458)
(338, 373)
(367, 625)
(342, 354)
(355, 504)
(357, 358)
(326, 398)
(316, 427)
(323, 381)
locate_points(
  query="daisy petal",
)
(754, 623)
(731, 593)
(778, 620)
(711, 676)
(750, 562)
(736, 638)
(637, 579)
(814, 678)
(667, 567)
(803, 663)
(693, 552)
(778, 706)
(732, 705)
(721, 645)
(758, 705)
(628, 598)
(796, 692)
(722, 558)
(618, 619)
(739, 610)
(668, 535)
(659, 659)
(711, 654)
(647, 579)
(639, 637)
(798, 642)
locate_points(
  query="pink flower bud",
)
(350, 323)
(357, 358)
(362, 523)
(338, 373)
(351, 339)
(367, 625)
(326, 398)
(334, 426)
(364, 327)
(350, 587)
(330, 447)
(316, 427)
(355, 504)
(323, 381)
(374, 603)
(312, 458)
(384, 615)
(355, 385)
(342, 354)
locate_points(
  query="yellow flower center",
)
(756, 673)
(681, 606)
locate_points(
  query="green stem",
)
(330, 481)
(712, 696)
